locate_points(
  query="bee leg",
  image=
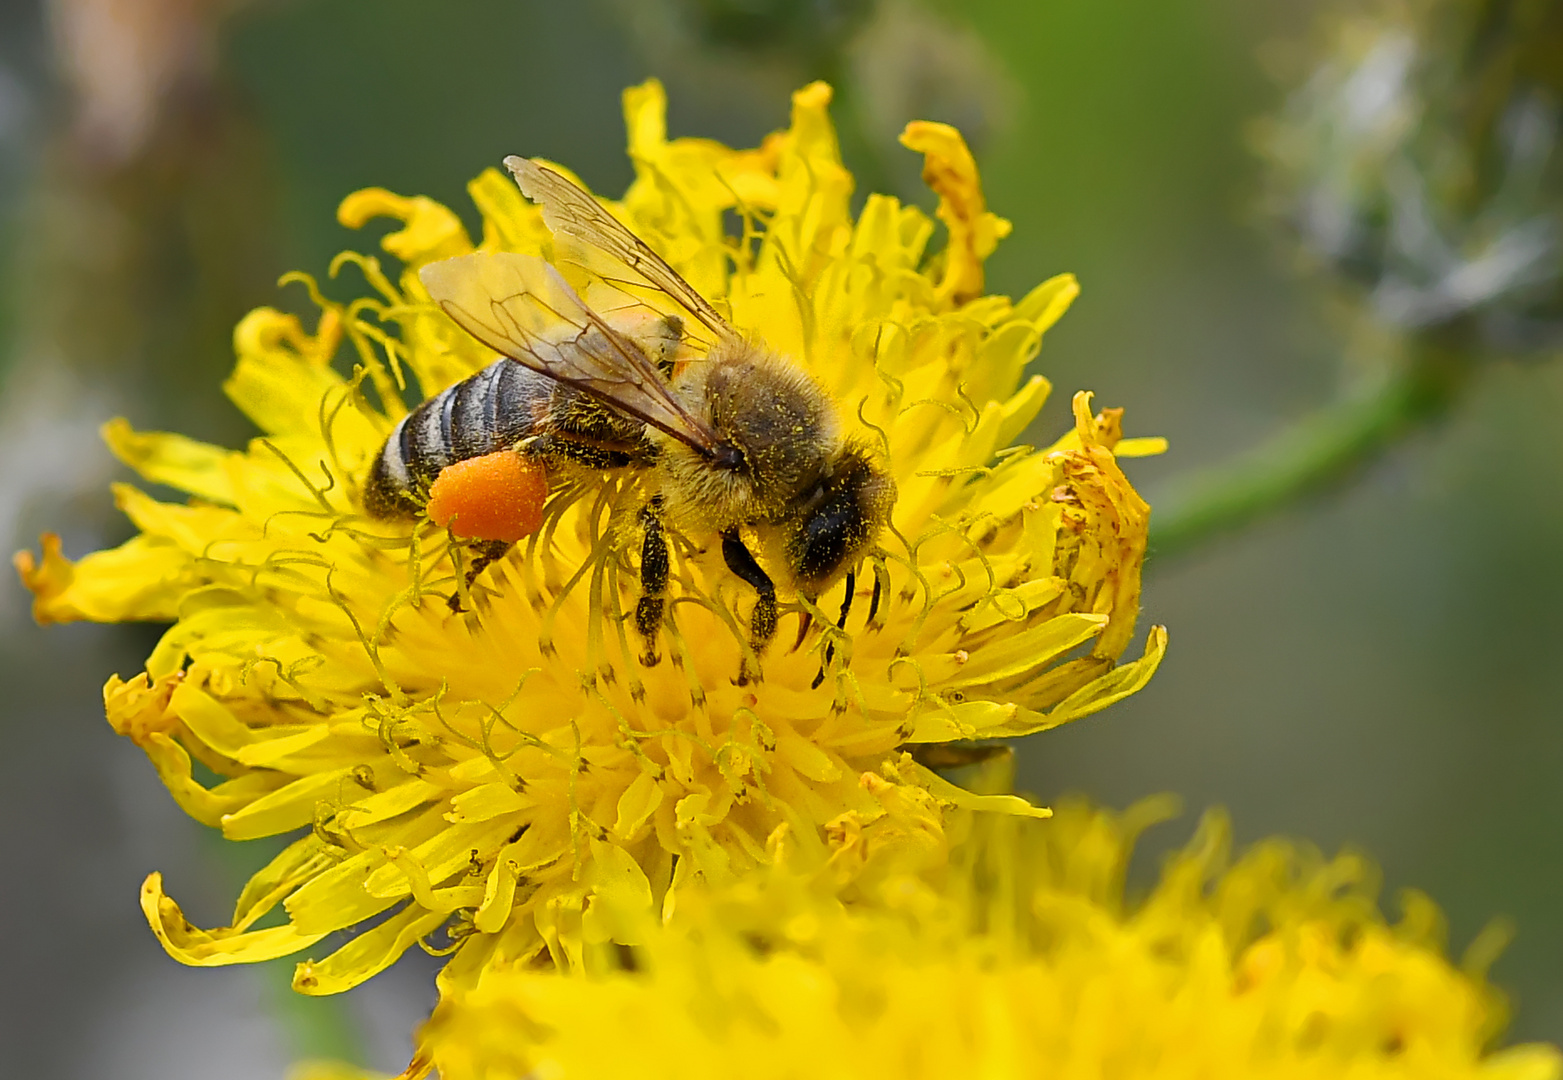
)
(653, 579)
(803, 631)
(762, 623)
(841, 624)
(484, 554)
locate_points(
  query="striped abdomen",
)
(492, 410)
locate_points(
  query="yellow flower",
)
(1025, 962)
(492, 774)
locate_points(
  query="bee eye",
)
(728, 457)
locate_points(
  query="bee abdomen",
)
(489, 411)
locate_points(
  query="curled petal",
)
(949, 170)
(430, 231)
(214, 948)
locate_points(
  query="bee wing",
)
(569, 210)
(520, 307)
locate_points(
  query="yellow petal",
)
(1120, 683)
(368, 954)
(196, 467)
(510, 222)
(140, 579)
(430, 231)
(213, 948)
(948, 168)
(1143, 447)
(1010, 805)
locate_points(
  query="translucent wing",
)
(569, 210)
(520, 307)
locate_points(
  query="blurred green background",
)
(1372, 668)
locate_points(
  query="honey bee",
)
(737, 441)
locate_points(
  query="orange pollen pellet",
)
(497, 496)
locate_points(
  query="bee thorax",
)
(777, 430)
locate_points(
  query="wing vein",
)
(569, 210)
(519, 306)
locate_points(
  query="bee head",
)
(838, 519)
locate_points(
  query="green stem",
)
(1313, 455)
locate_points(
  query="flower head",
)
(499, 770)
(1025, 961)
(1419, 160)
